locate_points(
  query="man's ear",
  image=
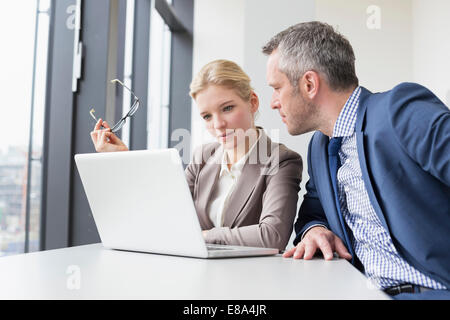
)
(309, 84)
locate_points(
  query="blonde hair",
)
(223, 73)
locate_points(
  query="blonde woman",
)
(244, 186)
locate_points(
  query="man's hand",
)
(318, 238)
(204, 232)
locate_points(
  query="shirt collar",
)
(345, 123)
(240, 164)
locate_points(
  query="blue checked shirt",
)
(371, 242)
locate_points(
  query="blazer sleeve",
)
(279, 205)
(311, 211)
(421, 123)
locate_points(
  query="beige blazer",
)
(262, 207)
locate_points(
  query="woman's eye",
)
(227, 108)
(206, 117)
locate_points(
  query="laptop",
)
(140, 201)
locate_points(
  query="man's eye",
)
(227, 108)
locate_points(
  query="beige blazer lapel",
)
(251, 174)
(207, 179)
(244, 189)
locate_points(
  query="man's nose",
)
(275, 102)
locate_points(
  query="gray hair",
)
(315, 46)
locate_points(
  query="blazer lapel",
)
(244, 189)
(207, 179)
(324, 185)
(251, 173)
(360, 121)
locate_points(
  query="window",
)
(22, 95)
(128, 67)
(159, 82)
(115, 38)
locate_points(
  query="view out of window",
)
(24, 29)
(128, 68)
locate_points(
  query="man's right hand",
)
(104, 140)
(318, 238)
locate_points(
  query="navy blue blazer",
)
(403, 141)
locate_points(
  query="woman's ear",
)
(254, 101)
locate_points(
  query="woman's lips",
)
(225, 136)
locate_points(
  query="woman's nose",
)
(219, 123)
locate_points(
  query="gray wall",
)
(431, 46)
(237, 30)
(384, 55)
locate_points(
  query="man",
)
(379, 164)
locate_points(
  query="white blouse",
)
(225, 185)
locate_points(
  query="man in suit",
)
(379, 164)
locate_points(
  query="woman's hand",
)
(104, 140)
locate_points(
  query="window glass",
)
(159, 82)
(128, 69)
(22, 99)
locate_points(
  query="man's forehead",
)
(273, 74)
(272, 66)
(272, 61)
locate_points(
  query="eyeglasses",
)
(130, 113)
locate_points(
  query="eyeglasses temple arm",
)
(120, 82)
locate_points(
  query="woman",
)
(245, 187)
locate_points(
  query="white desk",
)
(93, 272)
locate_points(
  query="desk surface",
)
(94, 272)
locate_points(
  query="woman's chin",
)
(228, 145)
